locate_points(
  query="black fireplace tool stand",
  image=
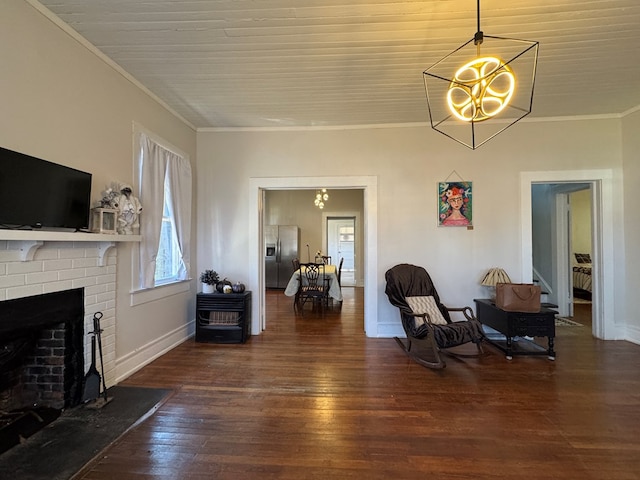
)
(102, 399)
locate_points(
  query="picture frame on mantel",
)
(455, 204)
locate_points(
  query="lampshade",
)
(495, 275)
(481, 88)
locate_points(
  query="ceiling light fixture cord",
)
(479, 36)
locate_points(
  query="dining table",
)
(330, 272)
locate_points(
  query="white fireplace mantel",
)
(29, 241)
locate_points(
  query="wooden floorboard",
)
(313, 398)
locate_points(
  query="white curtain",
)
(179, 187)
(157, 165)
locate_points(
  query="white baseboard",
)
(134, 361)
(390, 330)
(633, 334)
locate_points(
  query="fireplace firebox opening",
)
(41, 356)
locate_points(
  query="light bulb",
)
(481, 89)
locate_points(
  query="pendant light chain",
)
(479, 36)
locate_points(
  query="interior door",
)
(564, 276)
(341, 233)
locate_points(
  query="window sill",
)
(140, 297)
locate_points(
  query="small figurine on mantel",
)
(109, 199)
(129, 209)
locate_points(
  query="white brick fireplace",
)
(33, 263)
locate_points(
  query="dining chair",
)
(312, 286)
(339, 274)
(326, 259)
(339, 277)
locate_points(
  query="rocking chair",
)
(426, 321)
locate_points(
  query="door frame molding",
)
(257, 187)
(602, 243)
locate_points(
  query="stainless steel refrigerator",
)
(282, 245)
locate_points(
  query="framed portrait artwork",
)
(455, 204)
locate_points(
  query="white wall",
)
(408, 162)
(629, 201)
(61, 102)
(580, 222)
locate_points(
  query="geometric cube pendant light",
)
(481, 88)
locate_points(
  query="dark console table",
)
(223, 317)
(518, 324)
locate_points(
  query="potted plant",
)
(209, 278)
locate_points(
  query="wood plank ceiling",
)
(269, 63)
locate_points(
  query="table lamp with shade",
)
(494, 276)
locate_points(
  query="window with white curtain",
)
(168, 258)
(164, 182)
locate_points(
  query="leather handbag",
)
(518, 297)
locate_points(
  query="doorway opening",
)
(600, 182)
(340, 235)
(341, 243)
(562, 235)
(368, 185)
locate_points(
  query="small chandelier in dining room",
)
(482, 87)
(321, 197)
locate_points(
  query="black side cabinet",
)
(514, 325)
(223, 317)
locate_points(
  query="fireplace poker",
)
(97, 331)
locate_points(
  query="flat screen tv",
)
(37, 194)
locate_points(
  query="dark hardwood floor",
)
(313, 398)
